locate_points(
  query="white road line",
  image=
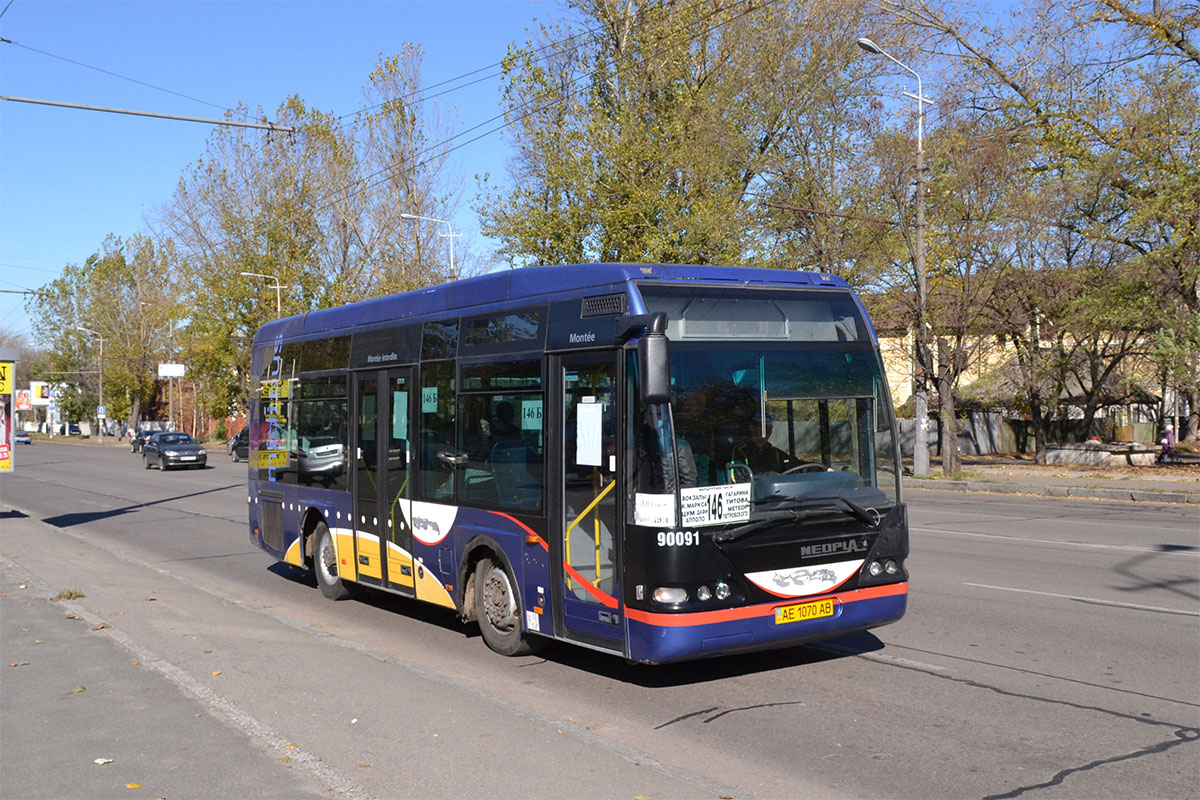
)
(1056, 520)
(1125, 547)
(1095, 600)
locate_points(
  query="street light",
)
(276, 287)
(920, 398)
(450, 234)
(99, 405)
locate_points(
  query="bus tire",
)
(325, 565)
(498, 610)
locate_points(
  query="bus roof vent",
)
(603, 305)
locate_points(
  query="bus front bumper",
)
(656, 638)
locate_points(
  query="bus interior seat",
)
(515, 486)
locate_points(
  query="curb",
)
(1080, 492)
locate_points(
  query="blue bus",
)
(658, 462)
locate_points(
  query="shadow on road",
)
(84, 517)
(608, 666)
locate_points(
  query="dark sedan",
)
(173, 450)
(138, 439)
(239, 446)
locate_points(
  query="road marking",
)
(1126, 547)
(873, 656)
(1095, 600)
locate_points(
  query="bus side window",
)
(437, 453)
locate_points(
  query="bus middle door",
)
(586, 550)
(380, 466)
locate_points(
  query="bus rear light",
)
(669, 595)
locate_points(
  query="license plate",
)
(804, 611)
(187, 458)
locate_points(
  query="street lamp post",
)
(920, 396)
(450, 234)
(276, 287)
(100, 404)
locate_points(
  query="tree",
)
(315, 212)
(1105, 98)
(668, 132)
(125, 293)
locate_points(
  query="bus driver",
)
(757, 452)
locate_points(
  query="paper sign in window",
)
(399, 415)
(531, 414)
(589, 434)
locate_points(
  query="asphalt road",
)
(1051, 649)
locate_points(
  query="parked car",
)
(173, 450)
(238, 446)
(138, 439)
(321, 459)
(69, 429)
(22, 437)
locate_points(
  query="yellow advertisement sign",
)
(6, 415)
(272, 458)
(276, 389)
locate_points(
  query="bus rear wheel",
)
(498, 609)
(325, 565)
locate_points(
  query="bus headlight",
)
(703, 593)
(875, 569)
(890, 567)
(722, 590)
(669, 595)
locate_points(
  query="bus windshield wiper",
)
(869, 516)
(797, 509)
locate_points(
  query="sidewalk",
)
(1176, 483)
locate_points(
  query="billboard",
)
(6, 414)
(39, 393)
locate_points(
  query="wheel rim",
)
(499, 602)
(327, 561)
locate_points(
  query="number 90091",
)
(678, 538)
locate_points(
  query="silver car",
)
(168, 450)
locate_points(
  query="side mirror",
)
(654, 362)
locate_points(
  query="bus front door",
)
(380, 472)
(586, 549)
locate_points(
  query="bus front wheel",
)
(498, 609)
(325, 565)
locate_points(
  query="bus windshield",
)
(803, 414)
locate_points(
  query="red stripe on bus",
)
(606, 599)
(761, 610)
(545, 545)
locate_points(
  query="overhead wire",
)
(323, 202)
(114, 74)
(423, 93)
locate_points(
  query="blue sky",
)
(68, 178)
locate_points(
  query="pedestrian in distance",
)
(1167, 442)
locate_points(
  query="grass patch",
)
(949, 476)
(70, 594)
